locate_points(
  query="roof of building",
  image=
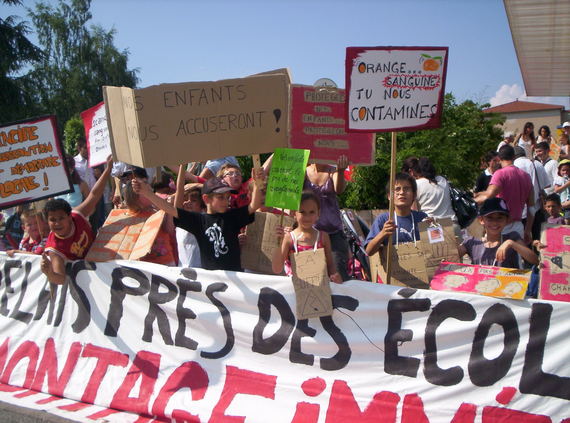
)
(522, 106)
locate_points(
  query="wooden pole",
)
(391, 207)
(256, 161)
(279, 239)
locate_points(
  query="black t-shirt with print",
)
(217, 236)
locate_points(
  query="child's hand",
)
(388, 229)
(46, 265)
(336, 278)
(242, 239)
(140, 187)
(501, 254)
(258, 176)
(280, 231)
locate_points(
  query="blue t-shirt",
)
(405, 227)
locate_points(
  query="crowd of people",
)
(209, 207)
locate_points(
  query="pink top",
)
(515, 185)
(298, 248)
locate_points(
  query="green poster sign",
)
(286, 178)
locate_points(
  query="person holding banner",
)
(216, 231)
(327, 182)
(35, 237)
(70, 232)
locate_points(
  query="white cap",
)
(565, 124)
(508, 134)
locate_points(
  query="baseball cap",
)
(139, 172)
(508, 134)
(562, 162)
(565, 124)
(216, 186)
(493, 205)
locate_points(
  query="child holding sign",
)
(304, 237)
(217, 230)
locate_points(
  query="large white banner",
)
(214, 346)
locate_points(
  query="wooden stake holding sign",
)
(391, 89)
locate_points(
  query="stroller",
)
(356, 232)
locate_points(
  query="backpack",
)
(463, 205)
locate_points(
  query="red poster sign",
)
(318, 124)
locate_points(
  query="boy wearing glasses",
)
(404, 225)
(231, 175)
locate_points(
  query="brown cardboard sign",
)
(125, 236)
(257, 252)
(312, 285)
(414, 264)
(176, 123)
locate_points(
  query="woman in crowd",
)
(527, 140)
(491, 163)
(327, 182)
(544, 135)
(80, 188)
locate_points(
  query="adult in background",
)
(327, 182)
(492, 164)
(515, 187)
(80, 188)
(508, 139)
(550, 165)
(434, 197)
(88, 175)
(212, 167)
(544, 135)
(527, 139)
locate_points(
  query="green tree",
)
(77, 61)
(72, 131)
(17, 53)
(455, 149)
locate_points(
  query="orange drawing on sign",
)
(429, 63)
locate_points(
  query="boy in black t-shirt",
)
(217, 230)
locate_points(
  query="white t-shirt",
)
(188, 249)
(551, 168)
(527, 145)
(435, 199)
(538, 178)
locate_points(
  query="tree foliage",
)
(17, 53)
(72, 131)
(455, 150)
(77, 60)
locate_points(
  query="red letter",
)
(240, 381)
(4, 353)
(344, 408)
(188, 375)
(497, 415)
(48, 366)
(105, 358)
(465, 413)
(145, 366)
(307, 412)
(413, 410)
(27, 349)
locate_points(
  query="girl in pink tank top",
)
(304, 237)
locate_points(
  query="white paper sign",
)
(97, 134)
(395, 88)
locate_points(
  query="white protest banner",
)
(97, 134)
(395, 88)
(216, 346)
(31, 162)
(194, 121)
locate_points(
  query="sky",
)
(190, 40)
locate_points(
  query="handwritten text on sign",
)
(286, 178)
(97, 134)
(174, 123)
(395, 88)
(318, 124)
(181, 343)
(31, 165)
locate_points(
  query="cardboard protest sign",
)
(395, 88)
(97, 134)
(555, 263)
(318, 124)
(257, 252)
(491, 281)
(286, 178)
(414, 264)
(127, 341)
(438, 243)
(125, 236)
(194, 121)
(312, 285)
(32, 165)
